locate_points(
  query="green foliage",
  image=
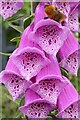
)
(5, 54)
(18, 28)
(64, 72)
(8, 107)
(28, 20)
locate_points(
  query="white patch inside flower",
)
(49, 89)
(38, 110)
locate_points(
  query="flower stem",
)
(33, 6)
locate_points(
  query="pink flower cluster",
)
(33, 68)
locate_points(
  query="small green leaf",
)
(64, 72)
(28, 20)
(10, 98)
(74, 80)
(15, 39)
(19, 115)
(17, 28)
(78, 74)
(17, 16)
(5, 54)
(22, 101)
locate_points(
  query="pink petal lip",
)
(44, 62)
(4, 73)
(32, 97)
(69, 94)
(29, 49)
(62, 112)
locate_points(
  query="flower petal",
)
(39, 13)
(49, 88)
(73, 19)
(69, 54)
(10, 7)
(49, 35)
(25, 41)
(63, 6)
(30, 61)
(15, 84)
(52, 69)
(68, 103)
(37, 107)
(71, 112)
(67, 96)
(71, 63)
(70, 45)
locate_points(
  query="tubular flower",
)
(68, 103)
(30, 61)
(70, 54)
(13, 80)
(70, 9)
(25, 41)
(35, 106)
(49, 35)
(49, 82)
(10, 7)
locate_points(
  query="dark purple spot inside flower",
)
(12, 81)
(45, 88)
(39, 115)
(51, 89)
(27, 63)
(72, 106)
(31, 59)
(75, 59)
(33, 65)
(7, 2)
(38, 105)
(50, 42)
(2, 7)
(55, 41)
(17, 86)
(54, 85)
(8, 7)
(16, 80)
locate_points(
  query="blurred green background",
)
(10, 108)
